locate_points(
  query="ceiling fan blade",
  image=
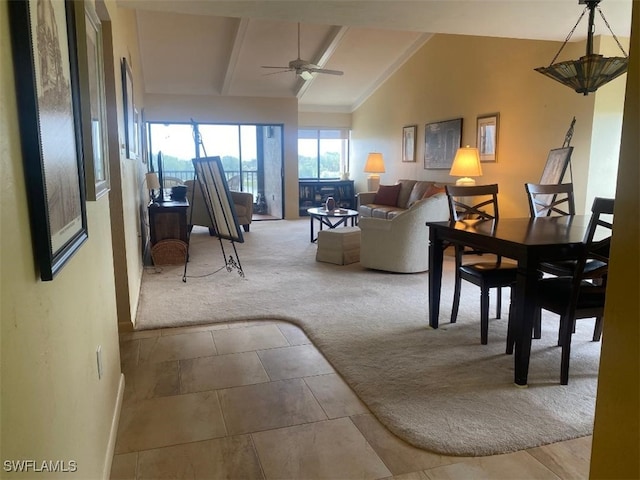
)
(324, 70)
(266, 66)
(279, 71)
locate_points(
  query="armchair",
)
(401, 244)
(242, 202)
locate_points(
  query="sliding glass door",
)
(251, 155)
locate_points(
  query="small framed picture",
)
(488, 137)
(409, 143)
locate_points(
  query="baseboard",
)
(113, 434)
(125, 327)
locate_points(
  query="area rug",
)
(440, 389)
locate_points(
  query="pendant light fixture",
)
(591, 71)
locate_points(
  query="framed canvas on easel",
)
(556, 166)
(212, 183)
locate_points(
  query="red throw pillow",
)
(433, 190)
(387, 195)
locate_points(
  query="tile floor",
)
(255, 400)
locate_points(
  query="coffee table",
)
(331, 218)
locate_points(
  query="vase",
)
(330, 204)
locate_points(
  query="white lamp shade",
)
(466, 163)
(375, 163)
(152, 181)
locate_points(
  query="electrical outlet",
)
(99, 361)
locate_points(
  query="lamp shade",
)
(466, 163)
(591, 71)
(375, 163)
(588, 73)
(152, 181)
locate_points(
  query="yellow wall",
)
(54, 407)
(127, 192)
(454, 76)
(616, 436)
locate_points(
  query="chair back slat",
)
(470, 202)
(594, 249)
(550, 200)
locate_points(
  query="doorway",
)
(252, 158)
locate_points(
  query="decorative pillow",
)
(433, 190)
(387, 195)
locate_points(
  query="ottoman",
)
(339, 245)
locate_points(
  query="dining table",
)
(528, 241)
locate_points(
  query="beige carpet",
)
(438, 389)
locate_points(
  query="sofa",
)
(242, 202)
(394, 238)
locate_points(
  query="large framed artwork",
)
(43, 39)
(487, 137)
(93, 100)
(556, 166)
(130, 113)
(441, 142)
(217, 196)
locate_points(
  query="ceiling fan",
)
(303, 68)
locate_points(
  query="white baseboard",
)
(113, 433)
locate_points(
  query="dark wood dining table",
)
(528, 241)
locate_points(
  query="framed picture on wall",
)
(441, 142)
(487, 140)
(43, 39)
(409, 143)
(130, 121)
(93, 101)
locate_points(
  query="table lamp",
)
(152, 184)
(374, 166)
(466, 164)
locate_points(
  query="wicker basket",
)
(169, 252)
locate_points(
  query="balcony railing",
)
(248, 184)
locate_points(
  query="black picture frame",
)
(217, 196)
(441, 142)
(50, 131)
(130, 121)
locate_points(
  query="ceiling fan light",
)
(305, 75)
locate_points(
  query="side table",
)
(169, 233)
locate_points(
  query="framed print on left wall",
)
(43, 38)
(130, 120)
(93, 100)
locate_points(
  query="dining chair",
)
(550, 200)
(478, 202)
(558, 200)
(582, 294)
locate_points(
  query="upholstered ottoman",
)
(339, 245)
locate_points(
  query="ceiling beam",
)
(335, 36)
(238, 40)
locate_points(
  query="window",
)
(323, 153)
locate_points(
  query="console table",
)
(168, 220)
(169, 233)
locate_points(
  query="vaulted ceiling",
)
(198, 47)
